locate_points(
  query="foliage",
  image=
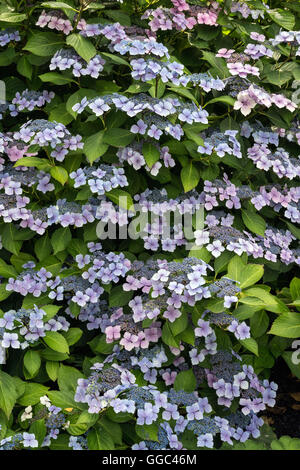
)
(118, 109)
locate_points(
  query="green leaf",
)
(10, 17)
(190, 177)
(100, 346)
(295, 288)
(56, 78)
(168, 337)
(267, 300)
(56, 341)
(218, 63)
(60, 114)
(179, 325)
(44, 44)
(286, 443)
(57, 5)
(33, 393)
(60, 239)
(64, 399)
(32, 362)
(292, 358)
(119, 17)
(60, 443)
(118, 297)
(150, 153)
(68, 377)
(39, 163)
(42, 247)
(186, 381)
(114, 429)
(51, 311)
(38, 428)
(8, 393)
(222, 261)
(250, 344)
(282, 17)
(94, 147)
(147, 432)
(52, 368)
(3, 292)
(121, 198)
(222, 99)
(7, 57)
(192, 135)
(118, 137)
(73, 335)
(6, 270)
(84, 421)
(59, 174)
(287, 325)
(82, 46)
(245, 274)
(24, 67)
(118, 417)
(115, 59)
(278, 77)
(183, 92)
(8, 239)
(259, 323)
(254, 222)
(100, 439)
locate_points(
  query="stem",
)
(156, 87)
(78, 17)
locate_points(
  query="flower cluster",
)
(221, 144)
(19, 329)
(101, 179)
(112, 384)
(133, 155)
(9, 35)
(49, 134)
(248, 99)
(182, 16)
(145, 222)
(65, 59)
(19, 441)
(29, 100)
(292, 38)
(55, 19)
(246, 11)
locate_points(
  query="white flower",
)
(45, 401)
(27, 414)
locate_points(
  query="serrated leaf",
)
(44, 44)
(56, 341)
(190, 177)
(59, 174)
(82, 46)
(8, 394)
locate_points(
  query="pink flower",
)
(171, 313)
(225, 53)
(169, 377)
(257, 37)
(14, 153)
(113, 333)
(129, 341)
(244, 103)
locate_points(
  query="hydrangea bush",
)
(149, 203)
